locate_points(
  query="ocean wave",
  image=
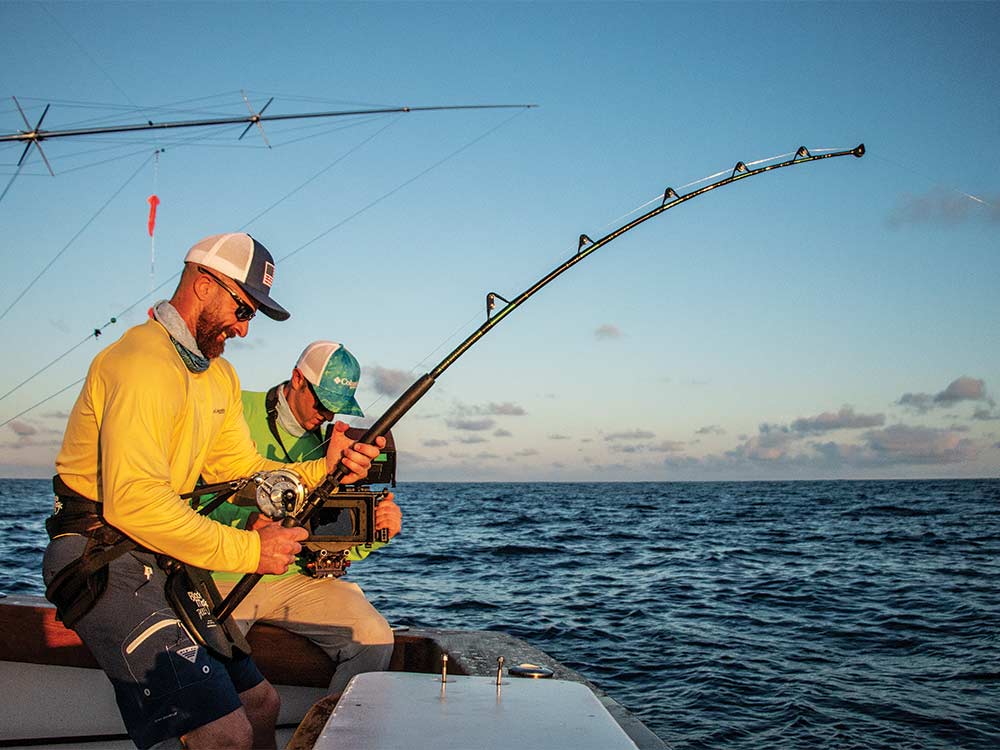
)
(737, 615)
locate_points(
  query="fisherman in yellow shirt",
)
(158, 409)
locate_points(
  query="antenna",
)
(36, 135)
(32, 136)
(255, 118)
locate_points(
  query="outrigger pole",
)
(33, 136)
(331, 485)
(36, 135)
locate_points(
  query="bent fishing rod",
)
(331, 484)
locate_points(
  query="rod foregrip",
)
(389, 418)
(402, 405)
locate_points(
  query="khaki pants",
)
(331, 612)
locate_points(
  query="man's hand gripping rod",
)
(331, 485)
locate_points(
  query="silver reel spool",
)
(276, 493)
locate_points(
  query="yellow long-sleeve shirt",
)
(142, 431)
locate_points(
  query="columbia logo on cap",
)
(334, 373)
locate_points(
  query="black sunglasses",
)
(243, 311)
(318, 405)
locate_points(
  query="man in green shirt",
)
(285, 424)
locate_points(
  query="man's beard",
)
(207, 335)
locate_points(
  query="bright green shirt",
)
(307, 447)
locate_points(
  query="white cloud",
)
(712, 429)
(389, 382)
(471, 425)
(919, 445)
(843, 419)
(958, 390)
(491, 409)
(943, 207)
(22, 429)
(608, 331)
(631, 435)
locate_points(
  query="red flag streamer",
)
(153, 202)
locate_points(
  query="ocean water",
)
(726, 615)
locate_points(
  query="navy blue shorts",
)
(165, 684)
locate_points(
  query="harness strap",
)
(76, 588)
(271, 408)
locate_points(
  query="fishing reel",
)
(277, 494)
(342, 520)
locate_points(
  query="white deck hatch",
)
(406, 711)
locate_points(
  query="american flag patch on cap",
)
(268, 274)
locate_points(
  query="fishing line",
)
(330, 486)
(112, 143)
(223, 97)
(614, 222)
(651, 201)
(67, 170)
(320, 129)
(153, 201)
(323, 171)
(378, 200)
(11, 181)
(75, 236)
(936, 183)
(86, 54)
(463, 326)
(395, 190)
(44, 400)
(97, 332)
(617, 221)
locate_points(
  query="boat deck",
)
(36, 649)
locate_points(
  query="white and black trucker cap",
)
(247, 262)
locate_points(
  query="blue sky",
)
(834, 320)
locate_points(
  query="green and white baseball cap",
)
(334, 374)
